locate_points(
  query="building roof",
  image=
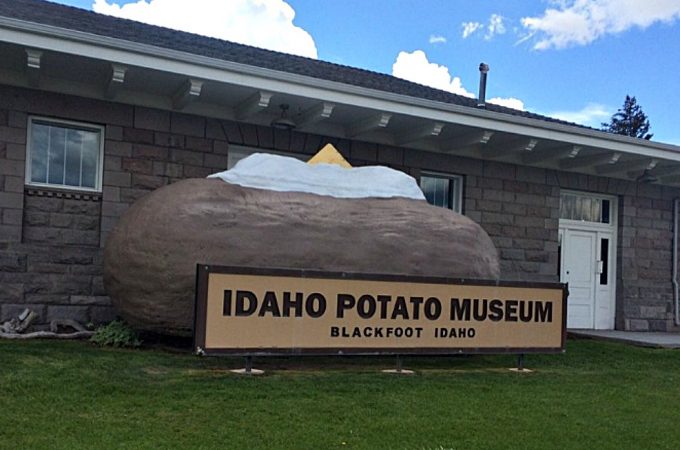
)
(71, 18)
(169, 69)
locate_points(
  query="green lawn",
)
(597, 395)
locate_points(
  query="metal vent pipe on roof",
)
(483, 70)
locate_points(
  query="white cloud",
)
(593, 114)
(415, 67)
(470, 28)
(261, 23)
(580, 22)
(436, 39)
(495, 26)
(509, 102)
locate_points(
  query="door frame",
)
(602, 230)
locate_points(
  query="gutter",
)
(676, 292)
(51, 38)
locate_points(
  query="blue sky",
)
(573, 59)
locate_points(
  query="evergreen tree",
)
(629, 121)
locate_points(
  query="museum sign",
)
(278, 311)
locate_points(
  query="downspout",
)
(676, 294)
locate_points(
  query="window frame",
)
(450, 177)
(613, 210)
(99, 175)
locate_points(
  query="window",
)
(443, 190)
(64, 154)
(604, 261)
(584, 208)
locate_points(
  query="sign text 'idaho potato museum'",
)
(251, 311)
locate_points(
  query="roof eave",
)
(31, 34)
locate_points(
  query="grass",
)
(597, 395)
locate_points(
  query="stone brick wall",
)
(157, 148)
(51, 242)
(645, 291)
(12, 167)
(69, 219)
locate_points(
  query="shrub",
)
(116, 334)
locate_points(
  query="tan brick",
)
(14, 184)
(150, 152)
(115, 148)
(12, 216)
(107, 223)
(90, 300)
(111, 193)
(10, 311)
(17, 119)
(186, 157)
(131, 195)
(112, 163)
(215, 161)
(168, 140)
(233, 132)
(35, 218)
(10, 233)
(13, 135)
(249, 135)
(214, 130)
(167, 169)
(113, 132)
(113, 209)
(282, 139)
(197, 172)
(102, 314)
(148, 181)
(137, 136)
(12, 200)
(390, 155)
(265, 137)
(152, 119)
(12, 167)
(137, 165)
(59, 220)
(221, 147)
(122, 179)
(199, 144)
(16, 152)
(11, 292)
(364, 151)
(61, 312)
(187, 125)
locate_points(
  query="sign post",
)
(248, 311)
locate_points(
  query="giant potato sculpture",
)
(151, 255)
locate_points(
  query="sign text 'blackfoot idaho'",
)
(285, 311)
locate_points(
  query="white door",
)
(587, 267)
(587, 233)
(579, 266)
